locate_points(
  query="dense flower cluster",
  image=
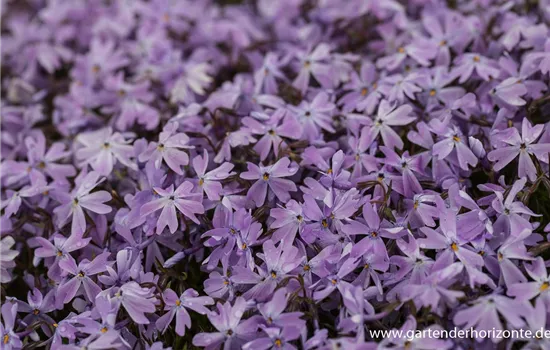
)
(273, 173)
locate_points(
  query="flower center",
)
(106, 145)
(432, 92)
(364, 91)
(201, 181)
(244, 246)
(523, 146)
(544, 286)
(160, 146)
(476, 58)
(41, 165)
(6, 339)
(307, 267)
(59, 253)
(273, 274)
(456, 138)
(265, 176)
(334, 281)
(81, 274)
(329, 171)
(324, 222)
(271, 132)
(401, 49)
(416, 205)
(366, 267)
(278, 343)
(36, 311)
(443, 43)
(229, 332)
(300, 218)
(178, 302)
(454, 247)
(104, 330)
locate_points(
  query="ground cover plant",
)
(290, 174)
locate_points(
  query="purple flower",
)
(510, 144)
(168, 149)
(388, 116)
(484, 314)
(10, 340)
(48, 161)
(80, 198)
(315, 116)
(102, 332)
(511, 220)
(435, 290)
(232, 333)
(274, 315)
(279, 124)
(210, 181)
(365, 93)
(528, 290)
(448, 240)
(136, 300)
(175, 306)
(453, 144)
(81, 276)
(289, 220)
(314, 62)
(102, 149)
(467, 63)
(277, 338)
(60, 249)
(270, 177)
(265, 78)
(181, 199)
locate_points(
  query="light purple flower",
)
(102, 149)
(7, 258)
(80, 198)
(176, 307)
(171, 199)
(484, 314)
(388, 116)
(270, 177)
(232, 333)
(510, 144)
(168, 148)
(210, 181)
(81, 276)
